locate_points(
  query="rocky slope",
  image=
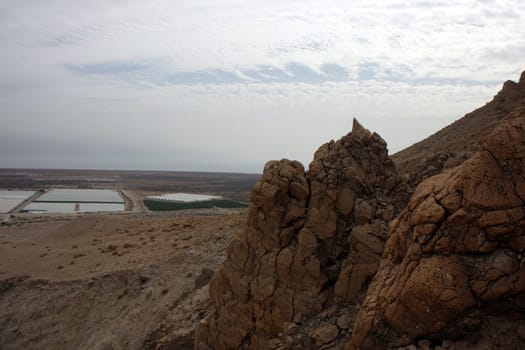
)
(457, 142)
(451, 275)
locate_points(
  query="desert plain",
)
(90, 281)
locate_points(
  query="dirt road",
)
(26, 202)
(134, 201)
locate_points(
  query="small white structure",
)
(184, 197)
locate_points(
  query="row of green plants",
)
(158, 205)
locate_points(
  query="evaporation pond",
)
(69, 207)
(10, 199)
(184, 197)
(67, 195)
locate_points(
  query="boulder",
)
(455, 251)
(324, 334)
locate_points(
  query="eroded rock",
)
(314, 240)
(455, 254)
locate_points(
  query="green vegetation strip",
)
(156, 205)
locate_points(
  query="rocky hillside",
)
(446, 267)
(460, 140)
(454, 262)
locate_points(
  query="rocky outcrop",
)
(458, 141)
(313, 241)
(454, 259)
(452, 271)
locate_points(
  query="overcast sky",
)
(227, 85)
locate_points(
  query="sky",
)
(227, 85)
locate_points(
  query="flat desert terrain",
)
(132, 280)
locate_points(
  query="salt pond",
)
(73, 195)
(72, 200)
(69, 207)
(10, 199)
(184, 197)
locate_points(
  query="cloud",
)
(292, 73)
(335, 72)
(506, 52)
(277, 77)
(109, 68)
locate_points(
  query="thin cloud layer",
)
(227, 85)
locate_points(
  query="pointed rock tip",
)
(356, 125)
(358, 129)
(522, 77)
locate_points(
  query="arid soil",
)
(134, 281)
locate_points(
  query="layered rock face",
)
(454, 257)
(313, 240)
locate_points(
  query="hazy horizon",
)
(225, 86)
(136, 170)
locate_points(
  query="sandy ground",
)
(109, 281)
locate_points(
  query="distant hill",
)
(457, 142)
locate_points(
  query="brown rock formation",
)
(313, 240)
(454, 257)
(457, 142)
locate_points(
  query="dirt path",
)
(136, 203)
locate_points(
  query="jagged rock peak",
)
(454, 259)
(359, 130)
(314, 240)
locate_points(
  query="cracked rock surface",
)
(454, 257)
(314, 241)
